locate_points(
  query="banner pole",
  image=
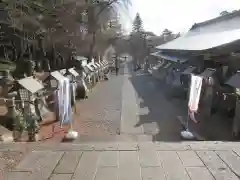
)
(71, 134)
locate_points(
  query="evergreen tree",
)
(137, 24)
(166, 32)
(223, 13)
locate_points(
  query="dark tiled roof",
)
(234, 81)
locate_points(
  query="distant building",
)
(211, 48)
(154, 41)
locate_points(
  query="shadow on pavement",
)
(159, 108)
(157, 114)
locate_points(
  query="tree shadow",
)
(6, 122)
(159, 108)
(156, 109)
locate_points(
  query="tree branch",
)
(102, 10)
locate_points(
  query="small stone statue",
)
(18, 121)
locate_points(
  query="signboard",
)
(195, 92)
(63, 71)
(94, 65)
(98, 65)
(73, 72)
(57, 75)
(89, 67)
(31, 84)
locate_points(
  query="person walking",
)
(117, 64)
(146, 64)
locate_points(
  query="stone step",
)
(114, 138)
(120, 146)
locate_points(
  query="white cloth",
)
(191, 115)
(84, 85)
(74, 89)
(195, 92)
(64, 101)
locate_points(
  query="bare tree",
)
(95, 10)
(58, 28)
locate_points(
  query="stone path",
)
(146, 109)
(127, 161)
(129, 118)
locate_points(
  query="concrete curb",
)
(122, 146)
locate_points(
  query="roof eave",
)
(232, 46)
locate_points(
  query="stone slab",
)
(68, 163)
(61, 177)
(87, 166)
(216, 166)
(108, 159)
(231, 159)
(107, 173)
(172, 165)
(40, 161)
(143, 161)
(190, 159)
(199, 173)
(17, 176)
(129, 166)
(129, 118)
(153, 173)
(40, 164)
(148, 158)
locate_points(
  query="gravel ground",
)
(9, 159)
(99, 115)
(101, 112)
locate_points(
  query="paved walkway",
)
(131, 106)
(138, 108)
(127, 161)
(129, 118)
(218, 127)
(155, 114)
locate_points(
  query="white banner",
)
(191, 115)
(195, 92)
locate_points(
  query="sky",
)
(175, 15)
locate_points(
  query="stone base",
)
(5, 135)
(6, 138)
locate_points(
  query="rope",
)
(16, 100)
(35, 98)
